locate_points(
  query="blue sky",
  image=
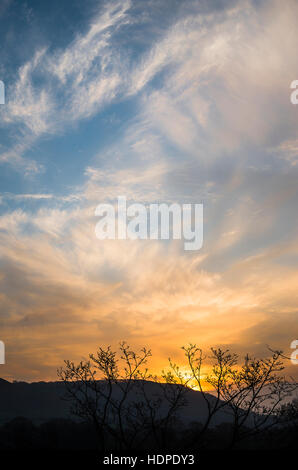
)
(159, 101)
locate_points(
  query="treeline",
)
(66, 435)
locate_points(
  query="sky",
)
(160, 101)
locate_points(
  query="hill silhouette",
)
(43, 401)
(36, 416)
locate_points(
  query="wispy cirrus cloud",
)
(55, 89)
(211, 121)
(211, 89)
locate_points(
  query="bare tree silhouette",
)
(112, 390)
(251, 393)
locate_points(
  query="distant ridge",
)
(43, 401)
(4, 382)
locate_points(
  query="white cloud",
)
(86, 74)
(226, 80)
